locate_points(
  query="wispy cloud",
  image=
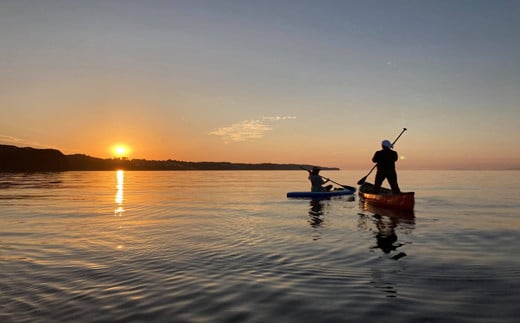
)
(242, 131)
(279, 118)
(247, 130)
(10, 140)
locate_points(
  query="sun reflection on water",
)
(120, 174)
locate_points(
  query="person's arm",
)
(375, 159)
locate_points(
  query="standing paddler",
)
(385, 159)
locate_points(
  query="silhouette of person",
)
(317, 181)
(385, 159)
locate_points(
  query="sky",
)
(283, 81)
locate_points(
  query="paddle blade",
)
(362, 181)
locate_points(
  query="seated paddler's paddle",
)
(361, 181)
(351, 188)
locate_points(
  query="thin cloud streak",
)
(247, 130)
(9, 140)
(279, 118)
(19, 142)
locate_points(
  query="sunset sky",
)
(314, 82)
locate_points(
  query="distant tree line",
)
(27, 159)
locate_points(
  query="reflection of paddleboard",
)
(320, 195)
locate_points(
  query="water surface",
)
(230, 247)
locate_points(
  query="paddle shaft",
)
(361, 181)
(345, 186)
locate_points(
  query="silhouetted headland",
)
(27, 159)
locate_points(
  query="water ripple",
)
(212, 253)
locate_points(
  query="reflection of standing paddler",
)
(386, 237)
(387, 222)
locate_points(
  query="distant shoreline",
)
(27, 159)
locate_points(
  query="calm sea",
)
(225, 246)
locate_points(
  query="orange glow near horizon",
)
(120, 150)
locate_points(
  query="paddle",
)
(361, 181)
(351, 188)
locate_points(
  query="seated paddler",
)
(317, 181)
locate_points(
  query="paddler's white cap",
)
(387, 143)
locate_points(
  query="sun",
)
(120, 151)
